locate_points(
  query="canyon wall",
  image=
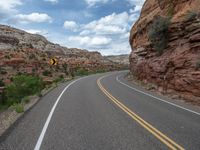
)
(177, 69)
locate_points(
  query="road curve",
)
(98, 112)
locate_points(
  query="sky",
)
(95, 25)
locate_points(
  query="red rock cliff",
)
(177, 69)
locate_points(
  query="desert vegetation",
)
(25, 69)
(16, 93)
(158, 33)
(21, 87)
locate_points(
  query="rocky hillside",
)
(21, 52)
(121, 59)
(165, 45)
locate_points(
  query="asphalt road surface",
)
(105, 112)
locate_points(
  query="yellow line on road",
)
(159, 135)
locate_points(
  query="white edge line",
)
(117, 78)
(41, 137)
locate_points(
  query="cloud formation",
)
(111, 24)
(108, 34)
(36, 31)
(32, 18)
(136, 2)
(71, 25)
(89, 41)
(91, 3)
(8, 7)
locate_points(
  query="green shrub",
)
(43, 55)
(46, 73)
(3, 72)
(59, 79)
(26, 99)
(19, 108)
(158, 33)
(32, 56)
(190, 15)
(65, 68)
(3, 107)
(19, 73)
(61, 76)
(100, 71)
(33, 70)
(22, 86)
(81, 72)
(1, 83)
(7, 56)
(71, 72)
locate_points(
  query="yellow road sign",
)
(53, 61)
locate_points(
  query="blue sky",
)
(95, 25)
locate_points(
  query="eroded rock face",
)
(121, 59)
(176, 69)
(22, 52)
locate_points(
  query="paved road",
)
(104, 112)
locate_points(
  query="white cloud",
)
(111, 24)
(133, 17)
(89, 42)
(94, 2)
(9, 6)
(134, 13)
(85, 32)
(113, 19)
(135, 10)
(36, 31)
(71, 25)
(52, 1)
(33, 31)
(136, 2)
(95, 41)
(101, 29)
(138, 8)
(125, 35)
(109, 34)
(33, 18)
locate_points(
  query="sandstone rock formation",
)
(21, 52)
(121, 59)
(14, 38)
(176, 70)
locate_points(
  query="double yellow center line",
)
(163, 138)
